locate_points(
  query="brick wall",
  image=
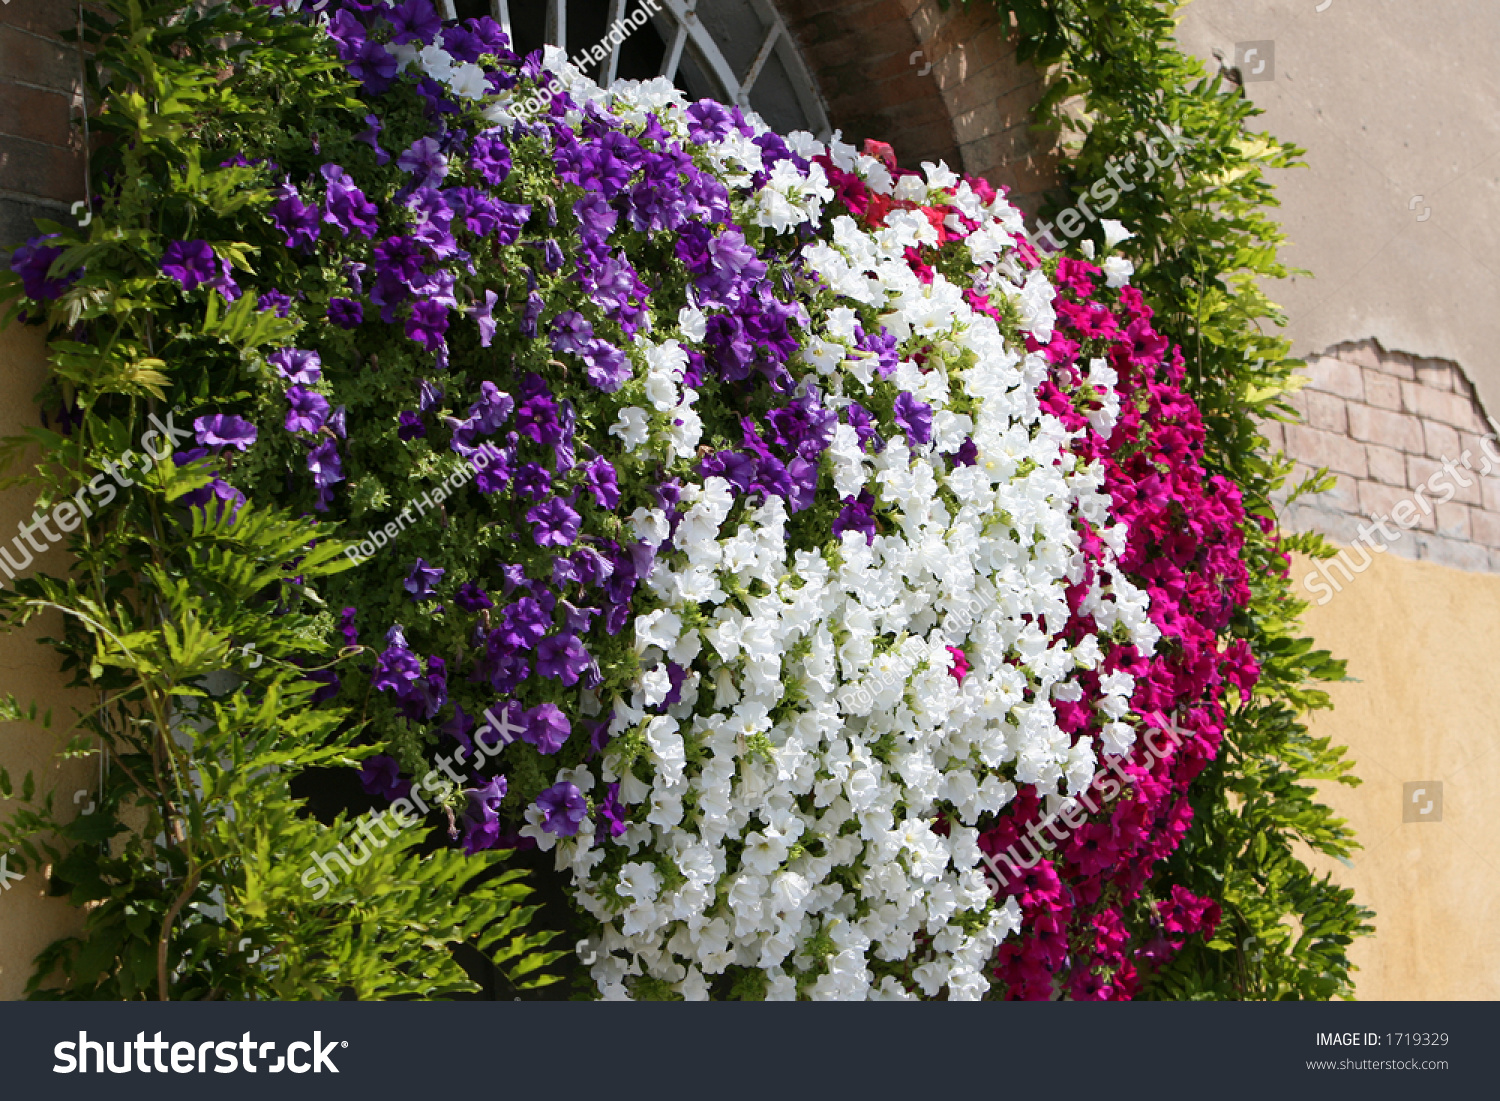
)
(41, 149)
(937, 84)
(1385, 422)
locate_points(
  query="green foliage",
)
(196, 632)
(1204, 244)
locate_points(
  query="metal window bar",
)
(673, 56)
(743, 99)
(612, 64)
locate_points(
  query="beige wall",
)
(1395, 213)
(1421, 641)
(29, 920)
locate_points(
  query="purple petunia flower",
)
(412, 427)
(422, 581)
(857, 515)
(327, 469)
(346, 313)
(471, 598)
(546, 727)
(482, 815)
(381, 776)
(370, 135)
(414, 21)
(274, 299)
(297, 221)
(483, 313)
(914, 417)
(298, 365)
(424, 159)
(610, 811)
(534, 307)
(373, 65)
(224, 430)
(601, 480)
(430, 397)
(607, 367)
(571, 332)
(32, 261)
(563, 809)
(554, 523)
(709, 121)
(308, 412)
(347, 628)
(397, 668)
(191, 263)
(427, 324)
(490, 157)
(864, 426)
(346, 206)
(596, 218)
(532, 480)
(562, 657)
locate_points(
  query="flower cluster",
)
(813, 532)
(1083, 930)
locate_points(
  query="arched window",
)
(734, 51)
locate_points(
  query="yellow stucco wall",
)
(29, 921)
(1421, 641)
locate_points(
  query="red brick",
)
(1381, 426)
(1484, 527)
(1445, 406)
(1386, 464)
(998, 83)
(46, 171)
(1274, 434)
(1326, 412)
(1010, 147)
(1442, 441)
(31, 59)
(1435, 374)
(18, 219)
(1395, 365)
(35, 114)
(1342, 497)
(1453, 520)
(1334, 450)
(1379, 500)
(1473, 493)
(45, 17)
(1334, 376)
(1420, 470)
(1381, 390)
(1361, 353)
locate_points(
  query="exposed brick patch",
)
(1404, 435)
(41, 151)
(971, 108)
